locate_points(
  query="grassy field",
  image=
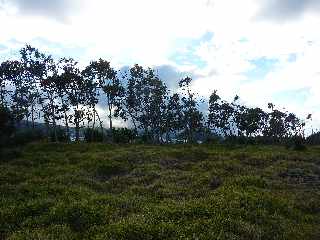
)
(96, 191)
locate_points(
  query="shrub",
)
(93, 135)
(123, 135)
(212, 139)
(296, 143)
(9, 153)
(6, 125)
(27, 135)
(61, 134)
(314, 139)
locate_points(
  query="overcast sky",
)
(262, 50)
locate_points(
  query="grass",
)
(96, 191)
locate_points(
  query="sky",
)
(262, 50)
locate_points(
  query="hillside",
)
(97, 191)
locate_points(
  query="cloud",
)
(170, 75)
(59, 10)
(220, 43)
(284, 10)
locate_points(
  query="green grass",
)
(96, 191)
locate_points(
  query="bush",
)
(6, 125)
(296, 143)
(93, 135)
(314, 139)
(212, 139)
(25, 136)
(123, 135)
(62, 135)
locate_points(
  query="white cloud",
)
(149, 32)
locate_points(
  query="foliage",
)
(123, 135)
(59, 135)
(36, 87)
(27, 135)
(93, 135)
(6, 122)
(314, 139)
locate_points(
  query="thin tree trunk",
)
(77, 131)
(77, 127)
(53, 121)
(67, 125)
(101, 126)
(93, 124)
(110, 116)
(77, 119)
(27, 117)
(32, 115)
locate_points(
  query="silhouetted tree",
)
(104, 77)
(174, 114)
(4, 83)
(192, 117)
(77, 93)
(34, 69)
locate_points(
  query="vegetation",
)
(99, 191)
(233, 186)
(36, 87)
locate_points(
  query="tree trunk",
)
(32, 115)
(77, 130)
(67, 125)
(54, 121)
(110, 122)
(93, 124)
(101, 126)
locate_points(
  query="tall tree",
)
(192, 118)
(19, 95)
(34, 70)
(276, 123)
(104, 77)
(77, 93)
(174, 114)
(4, 82)
(51, 106)
(144, 102)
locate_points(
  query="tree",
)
(34, 66)
(213, 120)
(220, 115)
(131, 102)
(19, 96)
(103, 77)
(76, 92)
(174, 114)
(61, 85)
(192, 117)
(50, 104)
(276, 123)
(4, 82)
(144, 102)
(251, 121)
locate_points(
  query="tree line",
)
(36, 87)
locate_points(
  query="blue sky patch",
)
(262, 66)
(298, 96)
(292, 57)
(187, 56)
